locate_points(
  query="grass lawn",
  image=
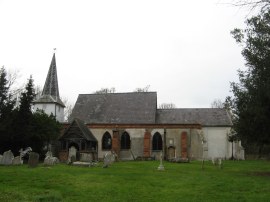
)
(138, 181)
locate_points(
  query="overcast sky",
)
(182, 49)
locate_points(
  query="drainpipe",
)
(165, 146)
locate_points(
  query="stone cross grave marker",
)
(161, 167)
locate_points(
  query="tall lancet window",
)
(125, 141)
(107, 141)
(157, 141)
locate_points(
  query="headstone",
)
(72, 154)
(33, 159)
(50, 161)
(161, 167)
(7, 158)
(1, 156)
(107, 160)
(86, 157)
(17, 161)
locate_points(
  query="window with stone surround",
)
(157, 142)
(107, 141)
(125, 141)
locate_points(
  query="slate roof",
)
(50, 93)
(203, 116)
(124, 108)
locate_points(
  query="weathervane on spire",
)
(54, 50)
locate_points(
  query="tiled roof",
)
(203, 116)
(125, 108)
(78, 128)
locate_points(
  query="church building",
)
(131, 126)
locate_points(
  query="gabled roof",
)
(50, 93)
(83, 131)
(203, 116)
(125, 108)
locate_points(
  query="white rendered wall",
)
(217, 142)
(51, 108)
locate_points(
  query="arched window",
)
(157, 142)
(107, 141)
(125, 141)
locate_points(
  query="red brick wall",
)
(184, 153)
(147, 144)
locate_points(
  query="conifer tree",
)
(23, 117)
(6, 111)
(251, 102)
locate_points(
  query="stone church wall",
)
(216, 144)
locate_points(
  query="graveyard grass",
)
(138, 181)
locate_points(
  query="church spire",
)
(51, 84)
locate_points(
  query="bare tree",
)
(105, 90)
(217, 103)
(167, 106)
(144, 89)
(12, 77)
(68, 109)
(263, 5)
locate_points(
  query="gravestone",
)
(33, 159)
(72, 152)
(7, 158)
(107, 160)
(50, 160)
(1, 156)
(86, 157)
(17, 160)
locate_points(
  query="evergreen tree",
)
(251, 102)
(44, 130)
(23, 117)
(6, 111)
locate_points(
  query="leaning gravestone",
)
(7, 158)
(33, 159)
(107, 160)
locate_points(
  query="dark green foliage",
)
(23, 118)
(20, 127)
(251, 102)
(44, 129)
(6, 110)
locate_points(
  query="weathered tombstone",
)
(86, 157)
(7, 158)
(50, 160)
(17, 160)
(72, 152)
(1, 156)
(33, 159)
(161, 167)
(107, 160)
